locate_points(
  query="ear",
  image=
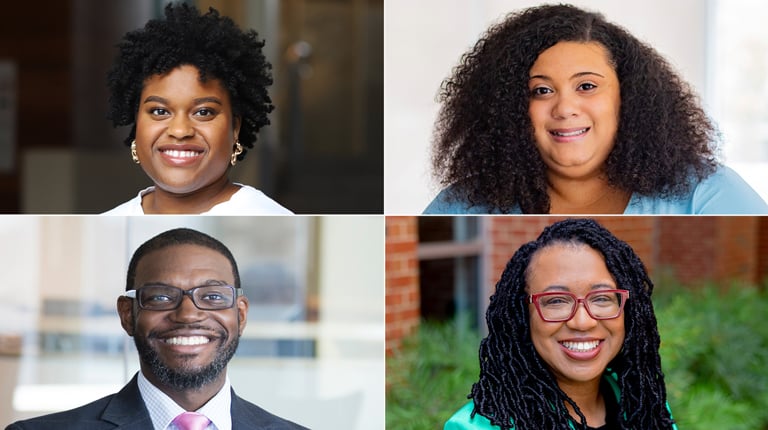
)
(125, 310)
(236, 123)
(242, 311)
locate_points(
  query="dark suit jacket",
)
(126, 411)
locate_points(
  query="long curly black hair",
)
(516, 386)
(484, 145)
(210, 42)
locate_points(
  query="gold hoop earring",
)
(134, 155)
(238, 151)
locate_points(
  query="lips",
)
(173, 153)
(187, 340)
(187, 337)
(571, 132)
(581, 349)
(581, 346)
(181, 155)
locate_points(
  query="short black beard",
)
(183, 378)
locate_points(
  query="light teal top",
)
(463, 420)
(724, 193)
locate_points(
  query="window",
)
(450, 251)
(738, 85)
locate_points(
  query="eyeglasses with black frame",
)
(561, 306)
(168, 298)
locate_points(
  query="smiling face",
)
(186, 347)
(574, 107)
(577, 351)
(185, 131)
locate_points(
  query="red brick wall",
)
(402, 279)
(737, 249)
(699, 249)
(762, 250)
(687, 247)
(638, 232)
(507, 234)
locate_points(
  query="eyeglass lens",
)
(599, 304)
(209, 297)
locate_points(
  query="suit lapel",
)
(246, 415)
(126, 409)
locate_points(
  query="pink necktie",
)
(191, 421)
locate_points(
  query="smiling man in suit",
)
(185, 310)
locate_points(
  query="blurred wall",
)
(321, 154)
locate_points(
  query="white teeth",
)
(570, 133)
(581, 346)
(192, 340)
(180, 154)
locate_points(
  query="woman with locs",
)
(572, 339)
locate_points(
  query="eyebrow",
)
(566, 289)
(206, 283)
(197, 101)
(576, 75)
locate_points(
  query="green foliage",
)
(714, 349)
(431, 375)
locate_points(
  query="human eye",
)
(153, 296)
(556, 300)
(604, 299)
(205, 113)
(214, 295)
(587, 86)
(540, 91)
(158, 112)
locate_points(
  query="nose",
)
(581, 320)
(566, 105)
(180, 127)
(187, 311)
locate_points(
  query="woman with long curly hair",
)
(572, 339)
(194, 89)
(556, 110)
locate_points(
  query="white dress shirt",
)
(162, 409)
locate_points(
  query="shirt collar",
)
(162, 409)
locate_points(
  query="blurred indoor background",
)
(321, 154)
(313, 349)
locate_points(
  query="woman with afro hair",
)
(572, 339)
(194, 89)
(556, 110)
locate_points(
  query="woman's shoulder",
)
(463, 419)
(725, 192)
(722, 192)
(132, 206)
(449, 201)
(249, 201)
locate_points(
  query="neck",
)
(590, 400)
(591, 195)
(189, 399)
(161, 201)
